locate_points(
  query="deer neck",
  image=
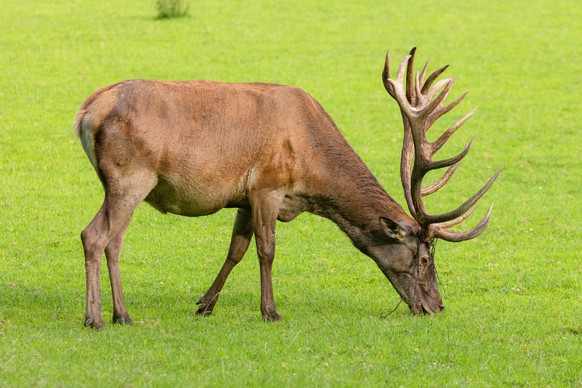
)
(356, 207)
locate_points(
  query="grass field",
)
(513, 296)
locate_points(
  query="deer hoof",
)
(203, 310)
(96, 324)
(123, 320)
(271, 317)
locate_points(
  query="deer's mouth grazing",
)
(421, 307)
(424, 303)
(427, 299)
(419, 298)
(418, 309)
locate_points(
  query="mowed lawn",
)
(513, 296)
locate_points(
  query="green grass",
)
(513, 296)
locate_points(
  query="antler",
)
(420, 106)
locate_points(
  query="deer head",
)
(421, 104)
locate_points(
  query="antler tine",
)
(392, 86)
(411, 94)
(420, 79)
(434, 75)
(456, 221)
(436, 102)
(386, 75)
(442, 110)
(439, 230)
(441, 182)
(438, 143)
(450, 161)
(400, 73)
(466, 206)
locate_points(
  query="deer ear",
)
(395, 230)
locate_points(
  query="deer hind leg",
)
(94, 241)
(242, 233)
(105, 234)
(112, 251)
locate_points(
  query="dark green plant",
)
(168, 9)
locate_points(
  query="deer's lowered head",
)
(421, 104)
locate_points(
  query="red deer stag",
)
(195, 147)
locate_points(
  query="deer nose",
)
(442, 307)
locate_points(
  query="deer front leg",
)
(242, 233)
(265, 212)
(266, 256)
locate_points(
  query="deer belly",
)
(190, 200)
